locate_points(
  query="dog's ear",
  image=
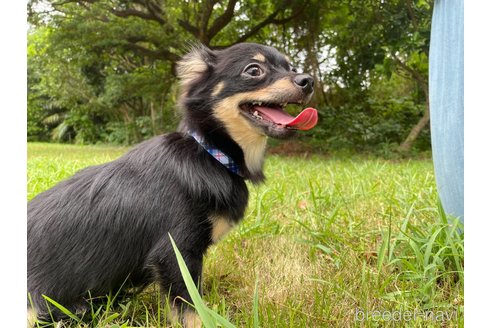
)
(195, 63)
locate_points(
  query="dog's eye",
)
(293, 69)
(253, 70)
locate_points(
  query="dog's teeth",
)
(258, 116)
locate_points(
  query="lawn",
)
(329, 242)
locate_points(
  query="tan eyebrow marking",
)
(259, 57)
(218, 88)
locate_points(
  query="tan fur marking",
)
(218, 88)
(220, 227)
(251, 139)
(173, 316)
(190, 67)
(287, 59)
(191, 320)
(31, 317)
(260, 57)
(280, 89)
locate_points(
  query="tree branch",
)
(286, 20)
(411, 13)
(61, 3)
(58, 5)
(152, 5)
(415, 74)
(154, 11)
(154, 54)
(207, 9)
(153, 8)
(133, 12)
(259, 26)
(131, 42)
(221, 21)
(190, 28)
(270, 19)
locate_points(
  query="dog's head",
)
(240, 93)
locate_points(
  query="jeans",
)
(446, 103)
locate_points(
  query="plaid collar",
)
(218, 154)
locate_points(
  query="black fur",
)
(109, 224)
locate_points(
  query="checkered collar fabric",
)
(218, 154)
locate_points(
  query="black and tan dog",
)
(108, 225)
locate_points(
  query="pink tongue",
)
(306, 120)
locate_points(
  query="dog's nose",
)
(306, 82)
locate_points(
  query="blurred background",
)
(103, 71)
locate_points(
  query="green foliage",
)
(376, 82)
(104, 69)
(376, 123)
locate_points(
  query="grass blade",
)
(382, 251)
(209, 318)
(62, 308)
(256, 319)
(430, 246)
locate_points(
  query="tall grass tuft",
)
(429, 254)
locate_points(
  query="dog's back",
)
(98, 229)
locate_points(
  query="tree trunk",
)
(153, 118)
(314, 67)
(126, 119)
(406, 145)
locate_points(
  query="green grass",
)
(323, 240)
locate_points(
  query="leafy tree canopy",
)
(103, 70)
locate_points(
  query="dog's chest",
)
(221, 225)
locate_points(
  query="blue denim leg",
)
(446, 103)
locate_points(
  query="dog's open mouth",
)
(275, 115)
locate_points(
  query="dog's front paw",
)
(188, 318)
(191, 320)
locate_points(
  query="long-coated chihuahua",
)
(107, 226)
